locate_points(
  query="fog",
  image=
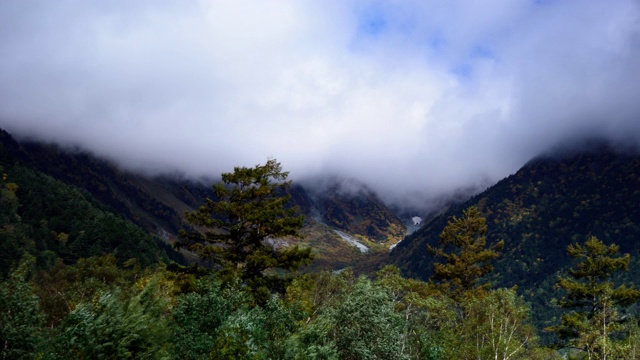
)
(417, 99)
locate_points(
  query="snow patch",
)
(351, 240)
(394, 245)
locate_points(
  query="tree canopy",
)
(244, 226)
(594, 300)
(470, 259)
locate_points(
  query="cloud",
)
(415, 98)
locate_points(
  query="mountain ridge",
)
(554, 200)
(159, 203)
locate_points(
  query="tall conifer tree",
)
(594, 300)
(468, 259)
(242, 226)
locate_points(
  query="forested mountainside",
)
(53, 221)
(81, 280)
(158, 203)
(155, 204)
(551, 202)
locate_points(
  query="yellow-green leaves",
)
(464, 248)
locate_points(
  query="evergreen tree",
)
(243, 225)
(594, 299)
(470, 260)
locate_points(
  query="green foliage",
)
(244, 224)
(628, 348)
(113, 326)
(257, 333)
(63, 287)
(316, 292)
(350, 319)
(14, 234)
(492, 324)
(538, 211)
(366, 326)
(313, 341)
(418, 303)
(470, 260)
(197, 318)
(65, 221)
(49, 220)
(595, 302)
(497, 326)
(153, 314)
(21, 321)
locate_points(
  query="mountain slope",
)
(548, 204)
(54, 221)
(159, 204)
(542, 208)
(360, 212)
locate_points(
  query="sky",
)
(416, 99)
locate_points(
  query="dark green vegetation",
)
(547, 205)
(245, 225)
(96, 309)
(528, 269)
(129, 313)
(469, 260)
(158, 204)
(53, 222)
(595, 318)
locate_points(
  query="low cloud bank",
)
(418, 99)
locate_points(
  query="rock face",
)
(357, 210)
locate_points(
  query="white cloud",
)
(410, 97)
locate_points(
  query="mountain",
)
(158, 204)
(72, 204)
(54, 221)
(351, 206)
(549, 203)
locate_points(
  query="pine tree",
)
(470, 260)
(593, 298)
(243, 225)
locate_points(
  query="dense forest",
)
(81, 281)
(158, 202)
(550, 203)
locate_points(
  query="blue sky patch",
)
(372, 22)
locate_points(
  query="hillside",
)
(549, 203)
(56, 222)
(82, 217)
(159, 203)
(357, 210)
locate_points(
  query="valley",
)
(551, 202)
